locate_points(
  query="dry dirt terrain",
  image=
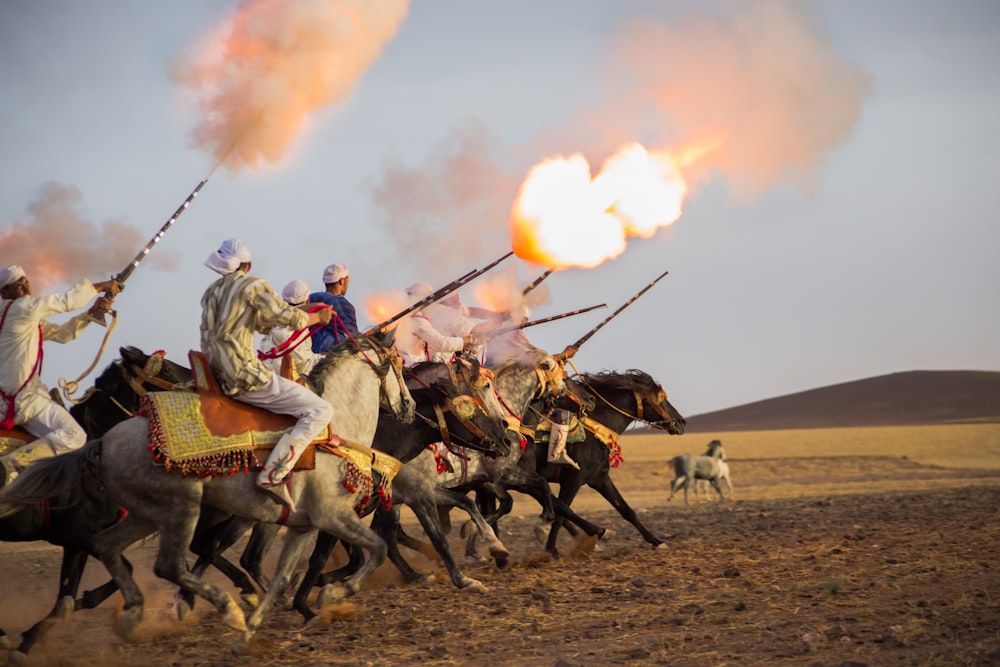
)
(848, 560)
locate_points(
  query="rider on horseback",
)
(234, 307)
(23, 328)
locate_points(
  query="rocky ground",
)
(881, 578)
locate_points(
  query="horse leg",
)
(718, 489)
(176, 533)
(325, 542)
(296, 541)
(349, 528)
(445, 497)
(568, 488)
(385, 523)
(252, 559)
(96, 596)
(605, 486)
(426, 510)
(74, 561)
(108, 547)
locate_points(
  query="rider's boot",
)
(275, 479)
(557, 438)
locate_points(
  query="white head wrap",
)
(296, 293)
(11, 275)
(334, 272)
(418, 291)
(228, 257)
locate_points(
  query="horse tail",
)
(48, 478)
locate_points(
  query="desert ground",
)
(842, 547)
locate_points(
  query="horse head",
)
(118, 391)
(468, 420)
(637, 388)
(715, 450)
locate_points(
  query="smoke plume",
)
(756, 93)
(56, 244)
(276, 61)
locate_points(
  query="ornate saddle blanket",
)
(15, 438)
(206, 433)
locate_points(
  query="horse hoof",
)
(474, 586)
(242, 645)
(128, 621)
(250, 599)
(499, 551)
(330, 594)
(64, 607)
(233, 617)
(605, 534)
(662, 546)
(181, 609)
(17, 658)
(542, 532)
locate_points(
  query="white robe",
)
(19, 343)
(421, 341)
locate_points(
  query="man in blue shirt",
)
(337, 278)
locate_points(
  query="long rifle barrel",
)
(127, 271)
(612, 316)
(124, 274)
(552, 318)
(442, 292)
(537, 282)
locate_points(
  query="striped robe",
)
(233, 309)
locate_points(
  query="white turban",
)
(228, 257)
(11, 275)
(296, 292)
(334, 272)
(418, 291)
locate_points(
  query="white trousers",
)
(56, 425)
(285, 397)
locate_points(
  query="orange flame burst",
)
(565, 217)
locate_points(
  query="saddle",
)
(15, 438)
(207, 433)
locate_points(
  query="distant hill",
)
(898, 399)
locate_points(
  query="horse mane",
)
(526, 358)
(630, 380)
(374, 344)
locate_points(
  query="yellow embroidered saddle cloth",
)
(206, 433)
(15, 438)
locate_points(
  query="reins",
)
(70, 387)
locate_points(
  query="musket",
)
(442, 292)
(552, 318)
(537, 282)
(124, 274)
(612, 316)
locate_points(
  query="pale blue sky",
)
(889, 265)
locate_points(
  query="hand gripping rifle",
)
(442, 292)
(552, 318)
(612, 316)
(127, 271)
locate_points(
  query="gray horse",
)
(688, 467)
(353, 377)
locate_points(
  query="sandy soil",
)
(846, 561)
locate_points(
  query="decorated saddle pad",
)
(212, 434)
(15, 438)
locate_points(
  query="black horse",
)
(71, 520)
(621, 399)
